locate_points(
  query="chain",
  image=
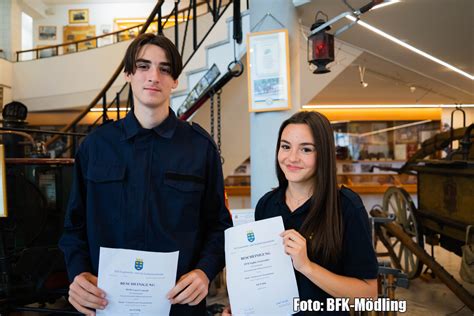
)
(219, 120)
(212, 114)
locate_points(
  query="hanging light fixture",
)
(322, 43)
(322, 46)
(361, 75)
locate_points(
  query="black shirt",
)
(157, 189)
(358, 258)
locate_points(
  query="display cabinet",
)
(363, 146)
(365, 176)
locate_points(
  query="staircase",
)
(204, 41)
(210, 43)
(217, 48)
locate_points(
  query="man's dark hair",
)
(170, 49)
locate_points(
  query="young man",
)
(147, 182)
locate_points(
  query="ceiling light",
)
(385, 106)
(413, 49)
(384, 4)
(361, 76)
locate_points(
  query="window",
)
(26, 35)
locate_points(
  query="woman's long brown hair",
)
(322, 228)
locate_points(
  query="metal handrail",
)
(216, 19)
(29, 130)
(207, 33)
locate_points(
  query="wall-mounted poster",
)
(47, 33)
(78, 16)
(72, 33)
(3, 183)
(268, 71)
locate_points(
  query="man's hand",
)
(84, 294)
(191, 288)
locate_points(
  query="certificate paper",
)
(260, 276)
(136, 282)
(242, 216)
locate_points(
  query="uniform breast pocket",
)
(183, 194)
(106, 190)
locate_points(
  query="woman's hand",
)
(295, 246)
(331, 283)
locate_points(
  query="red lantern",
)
(322, 48)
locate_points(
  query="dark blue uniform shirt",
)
(157, 189)
(358, 257)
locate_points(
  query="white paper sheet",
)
(260, 276)
(243, 216)
(136, 282)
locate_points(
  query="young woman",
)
(327, 230)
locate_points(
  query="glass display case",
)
(363, 146)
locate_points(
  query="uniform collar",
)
(166, 129)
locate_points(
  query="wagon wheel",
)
(397, 201)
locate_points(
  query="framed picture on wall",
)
(105, 29)
(268, 71)
(78, 16)
(73, 33)
(46, 33)
(126, 23)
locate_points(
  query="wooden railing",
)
(116, 36)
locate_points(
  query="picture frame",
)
(125, 23)
(73, 33)
(3, 183)
(78, 16)
(107, 40)
(47, 32)
(268, 71)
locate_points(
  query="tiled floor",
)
(426, 294)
